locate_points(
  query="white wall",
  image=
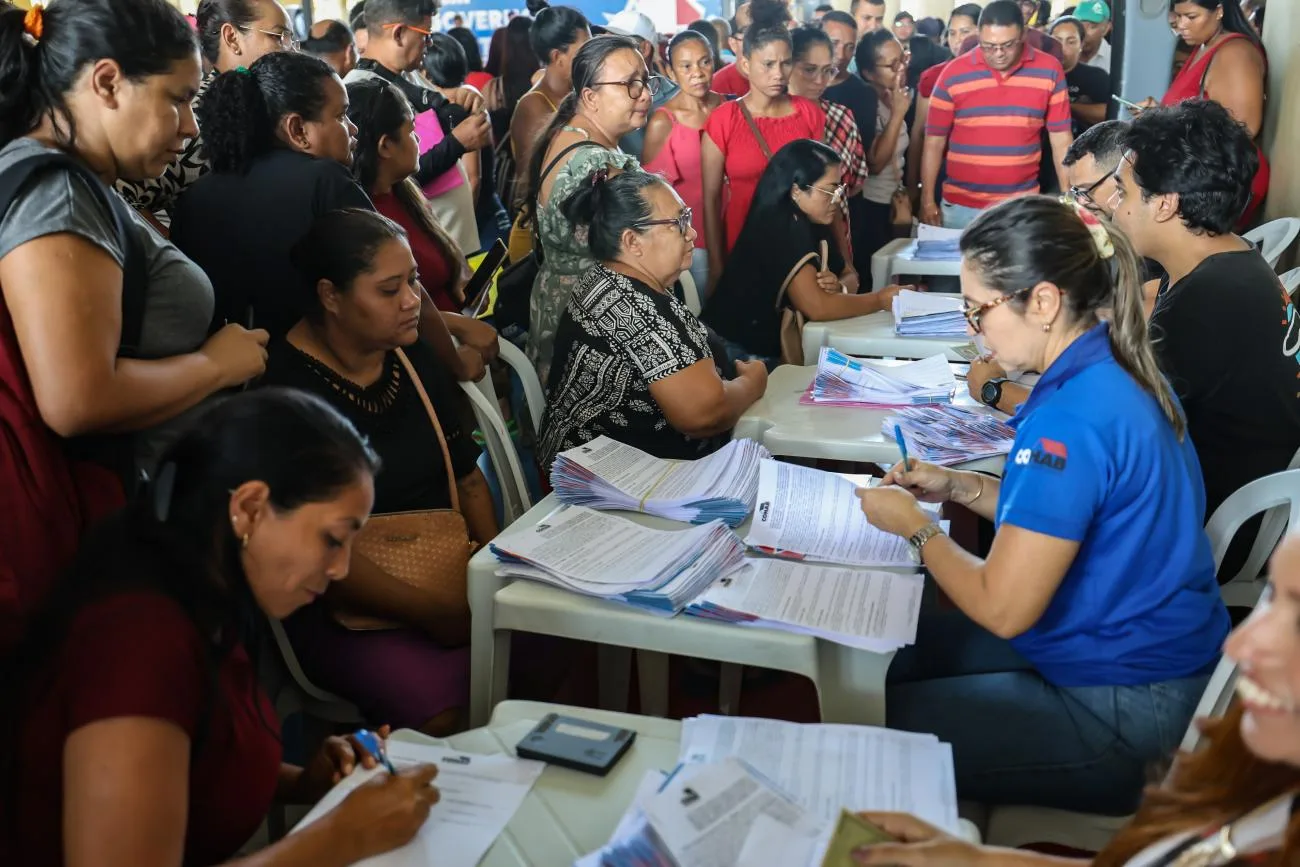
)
(1282, 117)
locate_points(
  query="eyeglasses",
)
(836, 194)
(825, 73)
(682, 221)
(1084, 195)
(975, 314)
(636, 86)
(287, 40)
(897, 63)
(427, 34)
(1000, 47)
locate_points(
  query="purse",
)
(792, 321)
(427, 550)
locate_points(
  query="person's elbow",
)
(704, 413)
(70, 413)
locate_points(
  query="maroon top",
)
(138, 654)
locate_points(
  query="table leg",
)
(851, 684)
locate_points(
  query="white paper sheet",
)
(817, 516)
(479, 796)
(826, 768)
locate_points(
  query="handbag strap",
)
(437, 426)
(753, 127)
(806, 260)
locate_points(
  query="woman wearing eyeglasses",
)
(882, 63)
(1081, 645)
(787, 257)
(232, 33)
(611, 96)
(741, 136)
(631, 361)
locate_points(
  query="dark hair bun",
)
(535, 6)
(768, 14)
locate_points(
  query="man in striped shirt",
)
(988, 112)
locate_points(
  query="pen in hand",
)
(371, 744)
(902, 447)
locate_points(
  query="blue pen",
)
(902, 447)
(370, 743)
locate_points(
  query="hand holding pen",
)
(373, 748)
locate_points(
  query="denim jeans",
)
(700, 272)
(1018, 739)
(958, 216)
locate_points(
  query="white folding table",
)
(872, 336)
(889, 260)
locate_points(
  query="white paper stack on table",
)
(603, 555)
(807, 514)
(845, 381)
(479, 796)
(935, 244)
(949, 435)
(875, 611)
(606, 474)
(922, 314)
(826, 768)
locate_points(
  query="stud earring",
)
(1047, 326)
(244, 541)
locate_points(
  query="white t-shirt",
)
(1102, 58)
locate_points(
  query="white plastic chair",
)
(1020, 825)
(691, 293)
(534, 395)
(1282, 503)
(1274, 238)
(500, 448)
(1291, 281)
(296, 692)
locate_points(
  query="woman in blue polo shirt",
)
(1083, 642)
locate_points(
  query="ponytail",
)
(1130, 340)
(1036, 239)
(241, 110)
(40, 65)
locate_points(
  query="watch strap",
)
(918, 539)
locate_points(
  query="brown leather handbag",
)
(792, 321)
(427, 550)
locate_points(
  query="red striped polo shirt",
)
(994, 124)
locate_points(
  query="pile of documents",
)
(922, 314)
(479, 796)
(606, 474)
(599, 554)
(950, 435)
(935, 244)
(826, 768)
(807, 514)
(875, 611)
(845, 381)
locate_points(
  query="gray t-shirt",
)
(178, 299)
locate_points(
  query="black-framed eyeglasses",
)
(288, 42)
(636, 86)
(1084, 195)
(996, 48)
(975, 314)
(682, 221)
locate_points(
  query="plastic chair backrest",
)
(1274, 238)
(501, 451)
(1278, 496)
(313, 700)
(691, 293)
(1214, 700)
(1291, 281)
(534, 396)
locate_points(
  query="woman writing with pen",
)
(1079, 648)
(137, 733)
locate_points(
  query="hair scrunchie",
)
(1100, 234)
(34, 22)
(600, 176)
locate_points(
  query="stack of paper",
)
(844, 381)
(826, 768)
(479, 796)
(950, 435)
(606, 474)
(599, 554)
(807, 514)
(922, 314)
(875, 611)
(935, 244)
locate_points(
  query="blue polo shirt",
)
(1096, 461)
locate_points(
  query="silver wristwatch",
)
(918, 539)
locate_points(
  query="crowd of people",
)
(233, 259)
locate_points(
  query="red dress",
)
(743, 159)
(435, 270)
(1190, 84)
(139, 655)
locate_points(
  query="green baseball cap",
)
(1093, 12)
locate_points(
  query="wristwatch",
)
(918, 539)
(991, 391)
